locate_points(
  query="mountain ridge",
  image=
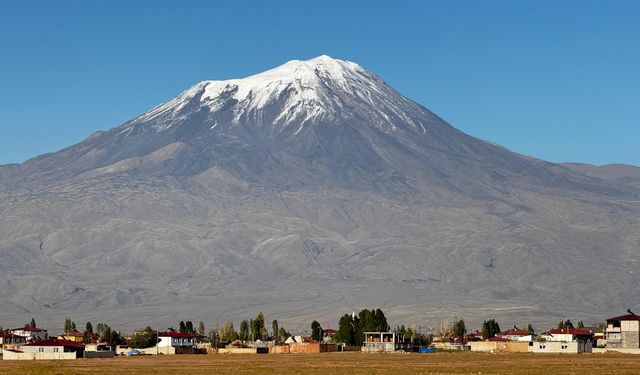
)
(212, 202)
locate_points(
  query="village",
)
(366, 331)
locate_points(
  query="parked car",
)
(134, 352)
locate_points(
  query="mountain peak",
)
(294, 94)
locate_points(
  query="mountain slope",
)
(621, 174)
(305, 190)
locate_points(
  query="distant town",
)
(366, 331)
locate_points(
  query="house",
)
(10, 341)
(563, 340)
(515, 334)
(623, 332)
(30, 333)
(46, 349)
(172, 342)
(176, 339)
(328, 335)
(386, 342)
(474, 336)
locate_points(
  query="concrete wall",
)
(627, 336)
(233, 350)
(99, 354)
(498, 346)
(150, 350)
(311, 347)
(13, 356)
(279, 349)
(448, 346)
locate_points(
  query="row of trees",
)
(252, 330)
(103, 332)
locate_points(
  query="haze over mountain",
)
(307, 191)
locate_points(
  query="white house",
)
(176, 339)
(515, 334)
(563, 340)
(46, 349)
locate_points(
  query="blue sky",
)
(559, 80)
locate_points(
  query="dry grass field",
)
(339, 363)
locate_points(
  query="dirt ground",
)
(339, 363)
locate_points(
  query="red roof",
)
(56, 342)
(626, 317)
(569, 331)
(175, 334)
(330, 331)
(513, 332)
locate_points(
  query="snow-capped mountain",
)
(309, 190)
(317, 91)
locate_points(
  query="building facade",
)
(386, 342)
(176, 339)
(561, 340)
(623, 332)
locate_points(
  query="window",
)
(55, 350)
(41, 350)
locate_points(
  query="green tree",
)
(227, 332)
(380, 321)
(106, 335)
(458, 328)
(316, 331)
(530, 330)
(88, 328)
(580, 324)
(261, 330)
(253, 330)
(69, 326)
(85, 338)
(100, 327)
(367, 320)
(188, 325)
(275, 330)
(145, 339)
(244, 330)
(347, 330)
(490, 328)
(283, 334)
(33, 323)
(182, 327)
(201, 329)
(114, 337)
